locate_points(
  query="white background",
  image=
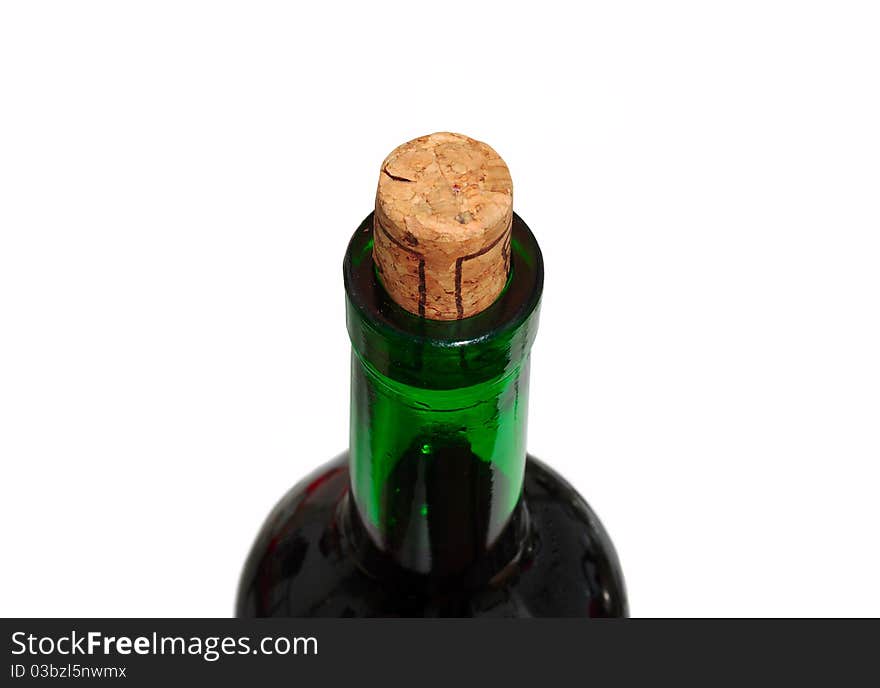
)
(178, 182)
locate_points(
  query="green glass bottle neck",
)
(436, 474)
(438, 414)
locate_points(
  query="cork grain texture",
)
(441, 230)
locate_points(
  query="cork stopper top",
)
(441, 230)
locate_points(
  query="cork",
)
(441, 230)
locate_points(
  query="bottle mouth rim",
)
(375, 309)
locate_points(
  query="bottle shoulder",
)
(303, 563)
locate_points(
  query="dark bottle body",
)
(313, 559)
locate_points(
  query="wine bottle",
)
(436, 509)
